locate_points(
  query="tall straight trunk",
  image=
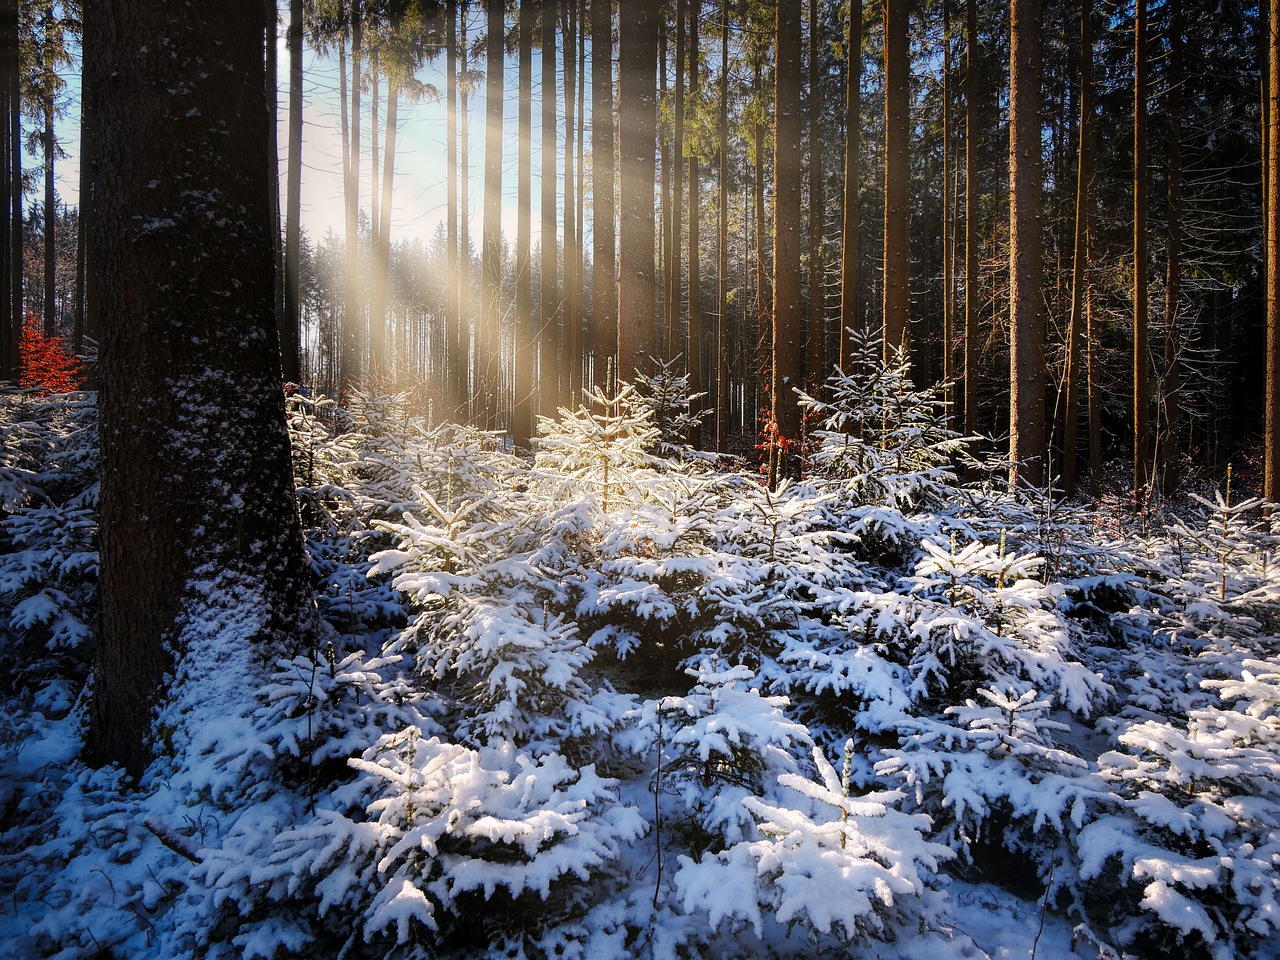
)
(788, 309)
(523, 329)
(271, 80)
(948, 226)
(722, 239)
(579, 251)
(971, 220)
(15, 306)
(675, 234)
(1093, 366)
(1172, 386)
(491, 268)
(351, 339)
(1080, 265)
(571, 378)
(375, 93)
(764, 298)
(8, 70)
(897, 179)
(466, 306)
(1026, 266)
(817, 268)
(693, 348)
(666, 256)
(549, 365)
(453, 311)
(604, 276)
(1271, 488)
(850, 234)
(638, 26)
(291, 332)
(382, 237)
(1141, 427)
(50, 305)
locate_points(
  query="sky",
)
(419, 197)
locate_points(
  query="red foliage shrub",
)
(46, 363)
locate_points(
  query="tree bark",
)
(674, 273)
(637, 113)
(971, 220)
(570, 376)
(722, 237)
(548, 367)
(50, 144)
(1170, 396)
(491, 268)
(693, 347)
(197, 492)
(1272, 471)
(817, 269)
(788, 309)
(453, 307)
(1026, 266)
(1141, 428)
(604, 276)
(948, 226)
(351, 338)
(523, 328)
(850, 320)
(897, 179)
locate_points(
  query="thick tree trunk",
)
(1141, 427)
(850, 236)
(491, 267)
(897, 179)
(523, 329)
(1080, 265)
(817, 268)
(291, 331)
(722, 239)
(971, 220)
(604, 276)
(693, 348)
(637, 115)
(197, 493)
(549, 364)
(788, 307)
(1170, 396)
(1026, 257)
(271, 80)
(764, 298)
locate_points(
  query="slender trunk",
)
(948, 227)
(693, 347)
(1141, 429)
(1093, 367)
(291, 333)
(375, 92)
(764, 298)
(579, 247)
(637, 109)
(466, 306)
(271, 77)
(1272, 473)
(548, 369)
(351, 339)
(971, 220)
(897, 179)
(15, 306)
(490, 339)
(666, 249)
(382, 238)
(722, 238)
(788, 311)
(50, 306)
(1170, 395)
(523, 327)
(850, 239)
(572, 317)
(604, 303)
(1026, 267)
(1080, 266)
(675, 275)
(817, 269)
(453, 318)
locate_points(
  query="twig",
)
(173, 841)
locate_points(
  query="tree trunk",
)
(604, 276)
(382, 236)
(850, 235)
(948, 226)
(453, 306)
(675, 235)
(549, 366)
(491, 268)
(351, 339)
(571, 379)
(523, 329)
(722, 238)
(1080, 265)
(1026, 266)
(272, 80)
(764, 298)
(897, 180)
(50, 199)
(817, 269)
(466, 305)
(1272, 474)
(1141, 429)
(637, 114)
(693, 347)
(291, 332)
(1172, 387)
(788, 309)
(189, 363)
(14, 133)
(971, 220)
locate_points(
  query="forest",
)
(655, 478)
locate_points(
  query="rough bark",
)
(693, 346)
(1080, 264)
(971, 220)
(523, 328)
(850, 235)
(1170, 396)
(1272, 471)
(491, 266)
(1141, 426)
(1026, 258)
(197, 493)
(722, 239)
(604, 276)
(788, 307)
(897, 179)
(291, 330)
(548, 362)
(637, 113)
(817, 269)
(572, 360)
(674, 273)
